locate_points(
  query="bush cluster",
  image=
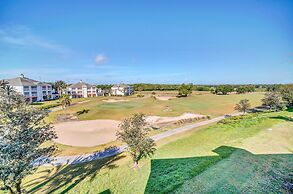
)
(190, 120)
(243, 120)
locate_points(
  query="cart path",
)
(77, 159)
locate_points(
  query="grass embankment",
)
(54, 103)
(199, 102)
(192, 160)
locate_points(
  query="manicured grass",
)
(200, 102)
(189, 161)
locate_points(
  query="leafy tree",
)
(245, 89)
(287, 95)
(134, 133)
(60, 86)
(273, 100)
(184, 90)
(274, 88)
(202, 88)
(243, 106)
(22, 132)
(224, 89)
(104, 87)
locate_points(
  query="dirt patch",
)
(114, 100)
(165, 98)
(86, 133)
(162, 121)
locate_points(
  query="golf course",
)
(250, 153)
(95, 129)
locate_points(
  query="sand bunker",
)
(164, 98)
(114, 100)
(97, 132)
(157, 120)
(86, 133)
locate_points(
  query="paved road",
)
(76, 159)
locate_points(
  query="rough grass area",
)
(200, 102)
(255, 159)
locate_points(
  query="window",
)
(26, 88)
(49, 87)
(34, 93)
(44, 93)
(43, 87)
(26, 94)
(49, 92)
(34, 88)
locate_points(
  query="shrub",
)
(140, 95)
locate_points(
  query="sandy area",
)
(96, 132)
(114, 100)
(163, 120)
(86, 133)
(164, 98)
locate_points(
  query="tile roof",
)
(81, 84)
(24, 81)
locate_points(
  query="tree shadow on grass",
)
(285, 118)
(106, 192)
(68, 176)
(168, 175)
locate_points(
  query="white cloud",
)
(100, 59)
(22, 36)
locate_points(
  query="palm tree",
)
(65, 101)
(5, 88)
(60, 86)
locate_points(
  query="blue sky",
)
(154, 41)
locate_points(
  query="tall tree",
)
(134, 133)
(273, 100)
(60, 86)
(22, 132)
(243, 106)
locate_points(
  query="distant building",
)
(33, 90)
(122, 90)
(83, 90)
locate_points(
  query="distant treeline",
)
(213, 88)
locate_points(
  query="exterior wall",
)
(46, 92)
(83, 92)
(18, 89)
(35, 93)
(122, 91)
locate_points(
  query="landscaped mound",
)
(163, 121)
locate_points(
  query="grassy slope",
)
(115, 175)
(204, 103)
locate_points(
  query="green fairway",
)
(242, 155)
(200, 102)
